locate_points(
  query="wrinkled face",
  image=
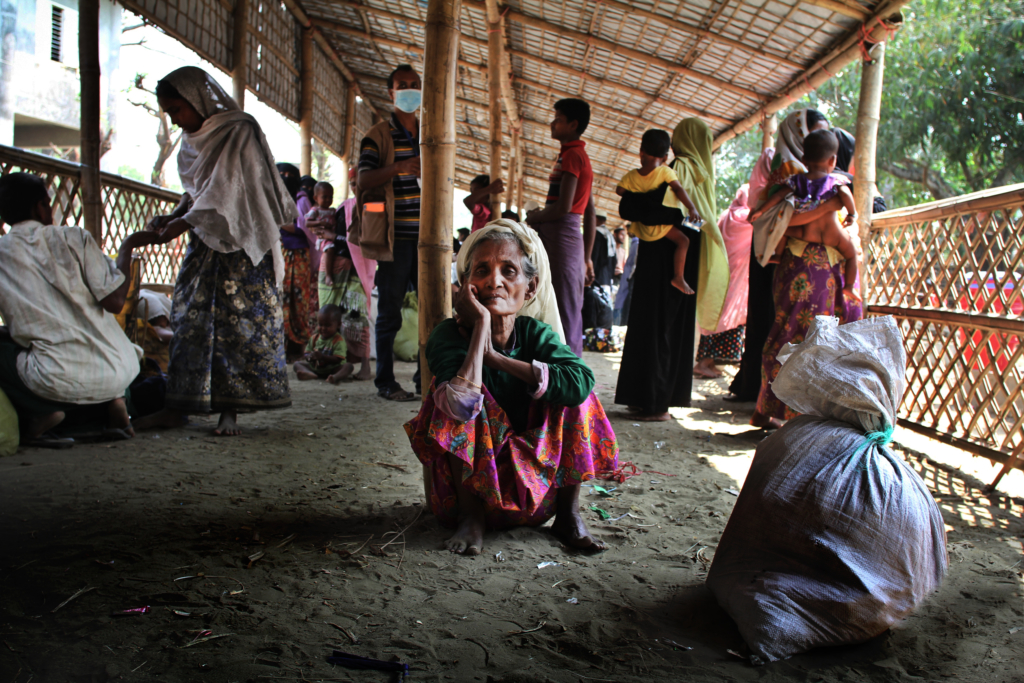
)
(182, 114)
(497, 274)
(327, 325)
(561, 128)
(323, 198)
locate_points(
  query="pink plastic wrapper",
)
(132, 611)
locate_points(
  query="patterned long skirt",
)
(347, 293)
(804, 287)
(295, 295)
(725, 346)
(227, 352)
(517, 475)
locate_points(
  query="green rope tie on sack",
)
(882, 437)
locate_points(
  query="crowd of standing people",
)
(276, 272)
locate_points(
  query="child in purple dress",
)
(809, 190)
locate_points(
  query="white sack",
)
(834, 538)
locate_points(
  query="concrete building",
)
(39, 79)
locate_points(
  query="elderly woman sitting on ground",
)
(511, 427)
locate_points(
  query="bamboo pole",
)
(868, 115)
(437, 163)
(768, 128)
(348, 144)
(306, 104)
(513, 170)
(89, 68)
(495, 31)
(240, 51)
(877, 29)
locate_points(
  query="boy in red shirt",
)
(569, 203)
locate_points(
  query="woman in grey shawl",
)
(227, 354)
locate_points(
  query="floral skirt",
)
(347, 293)
(804, 287)
(227, 352)
(295, 295)
(517, 475)
(725, 346)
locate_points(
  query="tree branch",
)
(915, 172)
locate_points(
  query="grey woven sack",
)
(833, 538)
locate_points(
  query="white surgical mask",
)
(408, 100)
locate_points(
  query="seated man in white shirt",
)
(62, 349)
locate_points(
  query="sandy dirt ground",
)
(258, 555)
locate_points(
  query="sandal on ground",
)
(397, 395)
(50, 440)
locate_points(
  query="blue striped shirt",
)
(406, 186)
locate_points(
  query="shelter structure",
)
(492, 71)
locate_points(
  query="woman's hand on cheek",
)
(469, 312)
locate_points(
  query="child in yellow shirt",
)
(652, 174)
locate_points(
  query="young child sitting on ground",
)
(808, 191)
(323, 198)
(652, 174)
(326, 350)
(478, 201)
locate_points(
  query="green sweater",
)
(570, 381)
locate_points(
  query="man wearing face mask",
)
(388, 199)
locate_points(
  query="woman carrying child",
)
(341, 285)
(657, 359)
(811, 266)
(227, 353)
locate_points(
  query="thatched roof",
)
(640, 64)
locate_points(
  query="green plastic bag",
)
(407, 341)
(8, 426)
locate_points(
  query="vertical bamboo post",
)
(240, 51)
(348, 145)
(89, 68)
(513, 170)
(768, 127)
(495, 46)
(306, 104)
(437, 169)
(868, 115)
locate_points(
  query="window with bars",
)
(57, 34)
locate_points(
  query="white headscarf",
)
(239, 201)
(543, 306)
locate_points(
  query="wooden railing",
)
(127, 206)
(952, 273)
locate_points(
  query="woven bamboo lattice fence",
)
(127, 206)
(952, 273)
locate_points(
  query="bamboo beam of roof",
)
(615, 48)
(482, 44)
(300, 15)
(846, 9)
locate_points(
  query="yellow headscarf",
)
(543, 306)
(691, 143)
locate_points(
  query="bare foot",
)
(570, 528)
(344, 373)
(364, 372)
(765, 422)
(680, 284)
(469, 537)
(228, 425)
(706, 368)
(117, 416)
(38, 426)
(166, 419)
(304, 375)
(653, 417)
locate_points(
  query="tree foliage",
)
(952, 104)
